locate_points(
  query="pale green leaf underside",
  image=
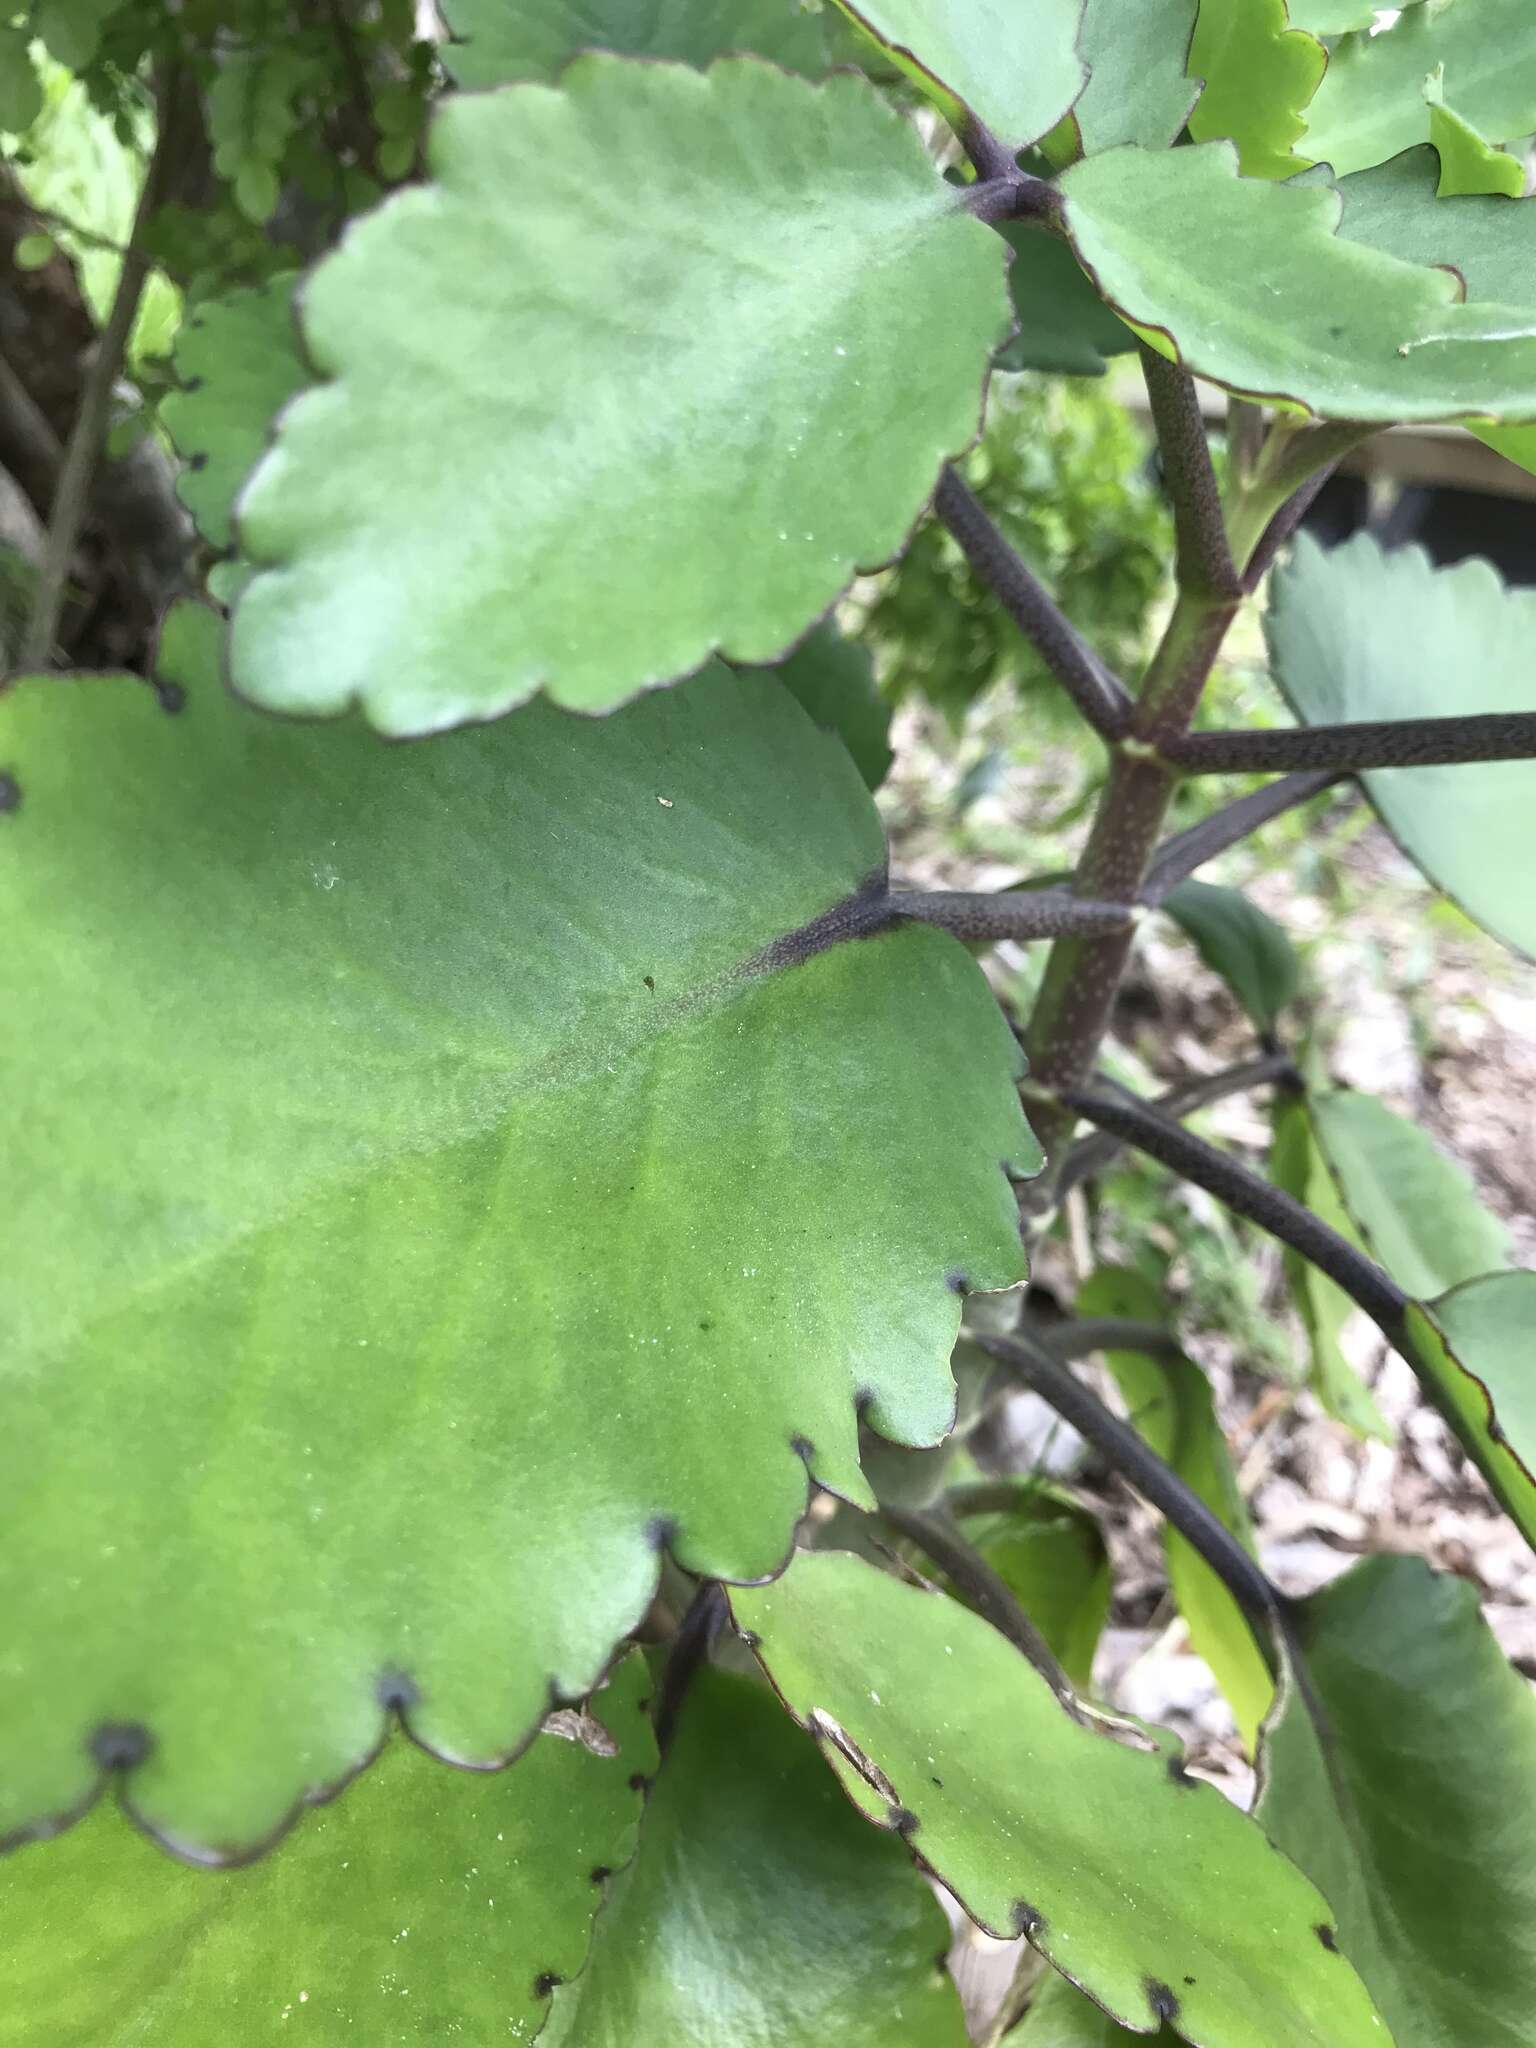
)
(1488, 239)
(1241, 943)
(1473, 1350)
(1416, 1210)
(1146, 1888)
(1255, 290)
(238, 362)
(1296, 1166)
(760, 1910)
(502, 42)
(1423, 1831)
(1334, 17)
(443, 1199)
(1358, 634)
(1169, 1400)
(1371, 104)
(577, 447)
(422, 1904)
(1259, 74)
(1018, 71)
(1137, 90)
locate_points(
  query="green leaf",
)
(1472, 1352)
(1416, 1811)
(1515, 444)
(436, 526)
(21, 90)
(1469, 163)
(1395, 208)
(979, 58)
(1239, 942)
(238, 363)
(1050, 1554)
(1370, 104)
(1141, 1884)
(498, 42)
(760, 1908)
(1334, 17)
(1358, 634)
(1169, 1401)
(1249, 283)
(71, 29)
(1065, 328)
(422, 1903)
(1137, 89)
(462, 1173)
(1415, 1210)
(833, 680)
(1259, 72)
(1060, 2017)
(1297, 1167)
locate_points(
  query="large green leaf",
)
(499, 42)
(1017, 73)
(238, 362)
(1138, 89)
(1489, 240)
(423, 1903)
(1469, 162)
(1297, 1167)
(726, 395)
(833, 679)
(1169, 1400)
(1061, 2017)
(1473, 1351)
(1415, 1209)
(1249, 283)
(1259, 74)
(1065, 328)
(1138, 1882)
(1371, 105)
(443, 1175)
(1358, 634)
(1241, 943)
(760, 1909)
(1414, 1806)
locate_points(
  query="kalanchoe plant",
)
(464, 1200)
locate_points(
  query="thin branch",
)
(1372, 743)
(1284, 524)
(975, 1578)
(88, 434)
(1090, 1156)
(1204, 555)
(1248, 1194)
(1096, 691)
(696, 1636)
(1021, 914)
(1128, 1453)
(1082, 1336)
(1179, 856)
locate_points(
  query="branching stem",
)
(1179, 857)
(1346, 749)
(1020, 914)
(1090, 1156)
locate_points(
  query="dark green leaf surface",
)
(1416, 1813)
(1371, 104)
(1358, 634)
(1017, 73)
(1061, 2017)
(1137, 89)
(1259, 74)
(1049, 1552)
(238, 362)
(1239, 942)
(456, 538)
(761, 1912)
(501, 42)
(1255, 290)
(1141, 1884)
(1065, 328)
(833, 679)
(1169, 1401)
(1416, 1210)
(452, 1188)
(1297, 1167)
(422, 1904)
(1472, 1350)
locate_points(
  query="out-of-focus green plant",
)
(1062, 468)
